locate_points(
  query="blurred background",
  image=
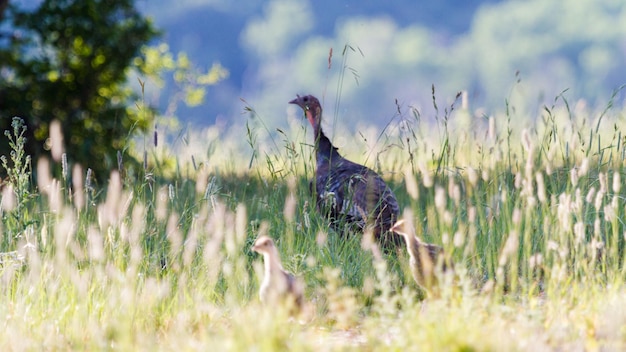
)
(275, 49)
(230, 68)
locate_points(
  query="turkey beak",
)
(297, 101)
(397, 226)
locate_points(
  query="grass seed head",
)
(321, 238)
(43, 175)
(427, 178)
(541, 188)
(590, 195)
(78, 191)
(289, 210)
(9, 200)
(574, 177)
(440, 198)
(617, 183)
(56, 140)
(472, 176)
(411, 184)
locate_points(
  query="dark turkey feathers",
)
(351, 195)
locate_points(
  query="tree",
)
(68, 60)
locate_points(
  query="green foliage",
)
(157, 62)
(18, 169)
(68, 61)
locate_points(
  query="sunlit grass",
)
(532, 214)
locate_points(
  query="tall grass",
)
(532, 216)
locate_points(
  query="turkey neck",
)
(413, 245)
(325, 150)
(271, 261)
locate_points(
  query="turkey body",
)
(278, 286)
(352, 196)
(426, 258)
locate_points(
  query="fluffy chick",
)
(425, 257)
(278, 286)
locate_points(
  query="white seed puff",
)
(278, 286)
(426, 258)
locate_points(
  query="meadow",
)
(531, 212)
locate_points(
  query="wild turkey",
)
(352, 196)
(425, 259)
(278, 286)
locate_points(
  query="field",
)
(159, 258)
